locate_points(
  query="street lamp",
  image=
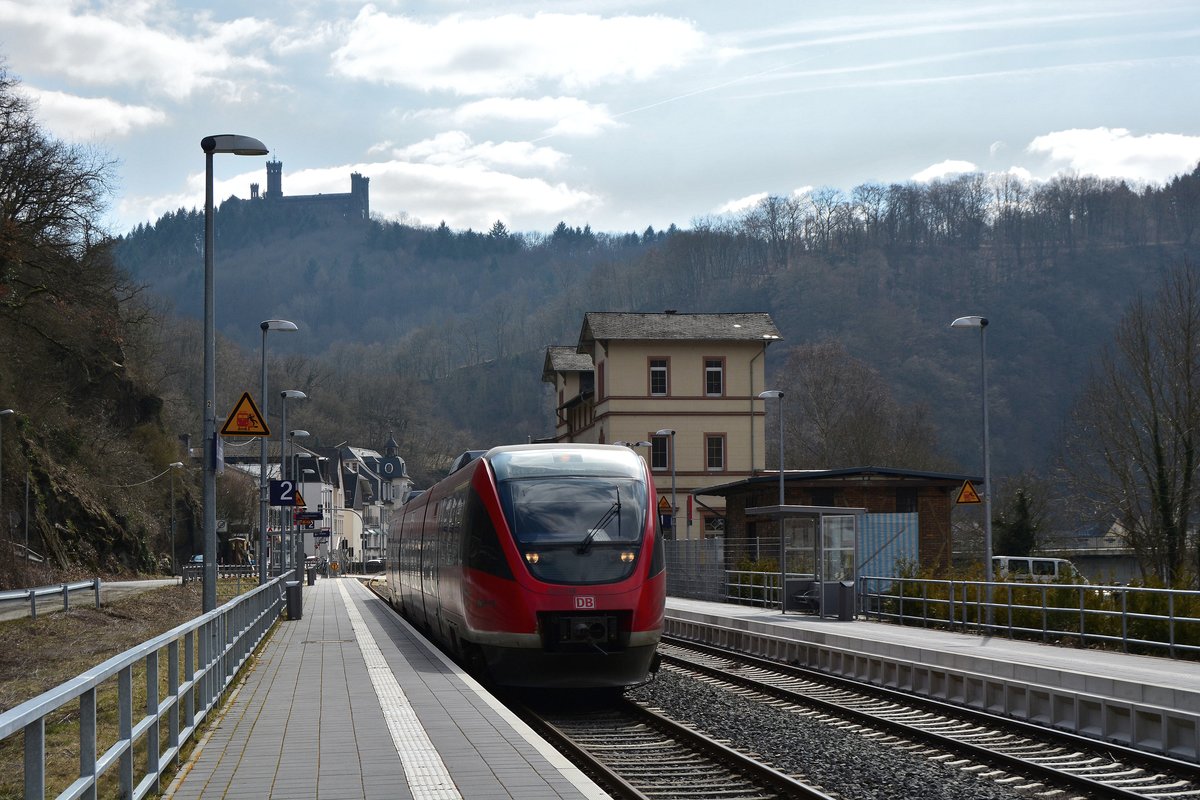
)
(286, 394)
(4, 413)
(263, 493)
(674, 507)
(297, 536)
(778, 395)
(981, 323)
(241, 146)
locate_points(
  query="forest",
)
(445, 330)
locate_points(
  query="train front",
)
(589, 567)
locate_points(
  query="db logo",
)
(585, 602)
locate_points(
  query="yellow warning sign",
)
(300, 500)
(245, 420)
(968, 494)
(663, 505)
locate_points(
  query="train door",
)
(429, 561)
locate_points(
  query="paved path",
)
(349, 702)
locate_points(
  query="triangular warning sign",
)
(968, 494)
(245, 420)
(663, 504)
(299, 499)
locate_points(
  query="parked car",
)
(1036, 570)
(373, 565)
(196, 559)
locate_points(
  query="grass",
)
(37, 655)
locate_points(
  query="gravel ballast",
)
(838, 761)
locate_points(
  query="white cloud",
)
(132, 45)
(76, 118)
(568, 116)
(456, 147)
(512, 53)
(944, 169)
(471, 195)
(741, 204)
(1117, 153)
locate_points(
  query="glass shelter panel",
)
(800, 546)
(838, 547)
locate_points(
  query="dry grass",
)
(37, 655)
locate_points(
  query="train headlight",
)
(532, 558)
(627, 557)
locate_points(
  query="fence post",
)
(35, 758)
(32, 604)
(66, 593)
(97, 592)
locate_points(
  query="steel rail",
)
(914, 717)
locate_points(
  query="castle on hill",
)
(353, 205)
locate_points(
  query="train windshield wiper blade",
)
(614, 509)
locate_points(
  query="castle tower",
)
(274, 180)
(254, 191)
(360, 192)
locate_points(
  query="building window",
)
(714, 377)
(824, 497)
(600, 381)
(906, 500)
(714, 448)
(659, 455)
(659, 384)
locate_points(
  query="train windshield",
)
(583, 511)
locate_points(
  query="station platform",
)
(350, 702)
(1148, 702)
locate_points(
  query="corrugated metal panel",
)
(884, 540)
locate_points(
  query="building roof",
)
(608, 325)
(864, 474)
(564, 358)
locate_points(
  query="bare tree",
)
(840, 413)
(1134, 439)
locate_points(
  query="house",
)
(683, 386)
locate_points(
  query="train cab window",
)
(577, 529)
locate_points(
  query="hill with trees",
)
(458, 321)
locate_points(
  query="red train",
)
(541, 565)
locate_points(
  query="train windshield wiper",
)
(613, 510)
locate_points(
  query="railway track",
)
(1012, 748)
(636, 753)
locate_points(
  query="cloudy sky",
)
(614, 114)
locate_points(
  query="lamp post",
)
(297, 536)
(7, 412)
(981, 323)
(778, 395)
(241, 146)
(174, 465)
(286, 394)
(674, 506)
(263, 492)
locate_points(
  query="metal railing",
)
(195, 572)
(203, 656)
(1151, 621)
(64, 589)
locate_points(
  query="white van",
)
(1035, 569)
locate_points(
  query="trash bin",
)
(295, 602)
(846, 601)
(312, 575)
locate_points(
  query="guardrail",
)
(1133, 619)
(64, 589)
(195, 572)
(203, 657)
